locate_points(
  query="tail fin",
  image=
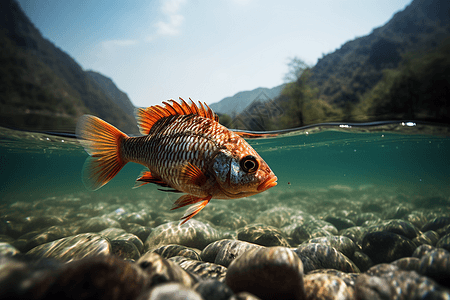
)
(102, 142)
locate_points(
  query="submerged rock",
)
(326, 286)
(436, 265)
(262, 235)
(385, 247)
(161, 270)
(172, 291)
(125, 250)
(193, 234)
(73, 247)
(341, 243)
(169, 251)
(316, 256)
(213, 290)
(203, 269)
(269, 273)
(230, 251)
(7, 250)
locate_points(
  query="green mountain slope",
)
(43, 88)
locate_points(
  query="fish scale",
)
(184, 148)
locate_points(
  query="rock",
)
(341, 243)
(228, 219)
(339, 222)
(388, 282)
(97, 224)
(161, 270)
(326, 286)
(203, 269)
(7, 250)
(269, 273)
(407, 264)
(400, 227)
(367, 217)
(262, 235)
(385, 247)
(317, 256)
(348, 278)
(73, 247)
(362, 261)
(193, 234)
(210, 252)
(436, 265)
(142, 232)
(429, 237)
(436, 224)
(444, 242)
(244, 296)
(102, 277)
(230, 251)
(169, 251)
(170, 291)
(125, 250)
(422, 250)
(211, 289)
(276, 217)
(356, 234)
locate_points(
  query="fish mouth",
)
(268, 183)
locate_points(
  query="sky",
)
(206, 50)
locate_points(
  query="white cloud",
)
(173, 19)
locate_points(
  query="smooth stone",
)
(230, 251)
(49, 235)
(429, 237)
(209, 253)
(162, 270)
(367, 217)
(339, 222)
(444, 242)
(73, 247)
(318, 256)
(203, 269)
(398, 211)
(356, 234)
(211, 289)
(385, 247)
(276, 217)
(268, 273)
(194, 234)
(6, 239)
(436, 265)
(169, 251)
(132, 239)
(341, 243)
(400, 227)
(362, 261)
(7, 250)
(348, 278)
(170, 291)
(142, 232)
(422, 250)
(97, 224)
(262, 235)
(228, 219)
(385, 281)
(125, 250)
(436, 224)
(244, 296)
(407, 263)
(112, 233)
(327, 287)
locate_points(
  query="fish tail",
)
(102, 142)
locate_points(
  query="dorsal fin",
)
(147, 117)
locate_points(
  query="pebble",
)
(340, 222)
(73, 247)
(203, 269)
(385, 247)
(317, 256)
(171, 291)
(444, 242)
(162, 270)
(327, 287)
(7, 250)
(97, 224)
(268, 273)
(436, 224)
(211, 289)
(194, 234)
(436, 264)
(169, 251)
(125, 250)
(341, 243)
(231, 250)
(429, 237)
(262, 235)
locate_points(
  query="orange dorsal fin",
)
(199, 204)
(102, 142)
(147, 117)
(191, 174)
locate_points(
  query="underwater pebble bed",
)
(335, 243)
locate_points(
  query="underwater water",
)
(343, 180)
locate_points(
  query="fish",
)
(183, 148)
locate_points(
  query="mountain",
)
(111, 90)
(346, 74)
(42, 87)
(237, 103)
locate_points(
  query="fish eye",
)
(249, 164)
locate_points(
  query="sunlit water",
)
(394, 160)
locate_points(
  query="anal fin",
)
(199, 204)
(147, 177)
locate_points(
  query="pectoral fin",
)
(199, 204)
(191, 174)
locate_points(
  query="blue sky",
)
(206, 50)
